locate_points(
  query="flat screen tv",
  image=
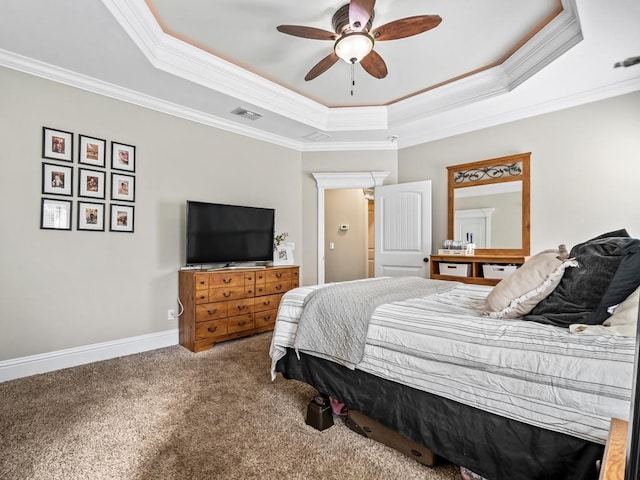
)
(219, 233)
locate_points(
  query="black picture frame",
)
(92, 151)
(121, 218)
(57, 179)
(91, 183)
(57, 144)
(55, 214)
(123, 157)
(123, 187)
(91, 216)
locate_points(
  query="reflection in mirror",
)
(490, 216)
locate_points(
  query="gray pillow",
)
(581, 289)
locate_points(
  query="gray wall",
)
(64, 289)
(348, 260)
(68, 289)
(585, 169)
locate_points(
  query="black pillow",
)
(623, 283)
(581, 289)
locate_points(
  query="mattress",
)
(533, 373)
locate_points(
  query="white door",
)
(403, 229)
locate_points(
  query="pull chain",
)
(353, 81)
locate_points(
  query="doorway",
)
(340, 180)
(349, 241)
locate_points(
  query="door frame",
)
(339, 180)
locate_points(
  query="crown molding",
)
(84, 82)
(461, 123)
(560, 35)
(191, 63)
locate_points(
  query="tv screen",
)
(218, 233)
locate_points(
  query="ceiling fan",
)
(354, 38)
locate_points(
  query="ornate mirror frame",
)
(495, 170)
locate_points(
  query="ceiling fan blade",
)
(406, 27)
(307, 32)
(360, 12)
(374, 65)
(322, 66)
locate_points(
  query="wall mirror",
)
(488, 204)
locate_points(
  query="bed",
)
(495, 392)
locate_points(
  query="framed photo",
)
(55, 214)
(57, 179)
(91, 183)
(91, 151)
(123, 187)
(121, 218)
(283, 255)
(91, 216)
(57, 144)
(123, 157)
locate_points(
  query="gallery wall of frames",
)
(95, 187)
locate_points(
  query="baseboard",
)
(71, 357)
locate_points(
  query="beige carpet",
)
(172, 414)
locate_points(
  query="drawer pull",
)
(278, 275)
(242, 324)
(201, 282)
(211, 312)
(267, 317)
(241, 307)
(202, 297)
(249, 290)
(268, 302)
(278, 287)
(212, 329)
(226, 294)
(227, 280)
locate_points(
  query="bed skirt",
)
(495, 447)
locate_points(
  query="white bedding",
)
(538, 374)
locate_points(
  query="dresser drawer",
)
(268, 317)
(201, 296)
(277, 287)
(267, 302)
(241, 322)
(225, 293)
(226, 279)
(278, 275)
(201, 281)
(211, 311)
(240, 307)
(212, 328)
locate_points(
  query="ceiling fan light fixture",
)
(354, 46)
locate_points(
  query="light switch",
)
(332, 245)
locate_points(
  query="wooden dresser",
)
(225, 304)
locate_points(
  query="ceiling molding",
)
(77, 80)
(186, 61)
(421, 133)
(556, 38)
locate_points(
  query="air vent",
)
(243, 112)
(316, 136)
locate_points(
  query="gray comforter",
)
(335, 319)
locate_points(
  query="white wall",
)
(62, 289)
(585, 169)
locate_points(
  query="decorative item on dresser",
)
(226, 304)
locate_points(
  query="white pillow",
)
(518, 293)
(623, 322)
